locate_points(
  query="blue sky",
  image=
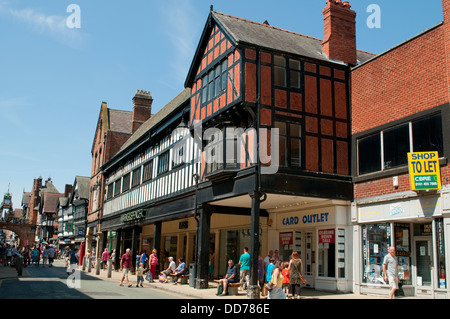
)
(53, 78)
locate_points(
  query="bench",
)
(183, 278)
(232, 288)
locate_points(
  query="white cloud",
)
(54, 26)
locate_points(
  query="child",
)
(140, 275)
(285, 273)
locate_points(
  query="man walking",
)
(125, 266)
(244, 263)
(390, 264)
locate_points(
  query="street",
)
(52, 283)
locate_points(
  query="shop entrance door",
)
(424, 266)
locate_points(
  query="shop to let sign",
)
(424, 171)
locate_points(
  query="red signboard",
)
(326, 236)
(286, 238)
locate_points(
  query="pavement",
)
(185, 290)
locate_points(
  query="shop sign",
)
(424, 171)
(326, 236)
(112, 233)
(132, 216)
(286, 238)
(306, 219)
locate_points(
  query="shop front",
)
(414, 225)
(322, 237)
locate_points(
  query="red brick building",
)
(400, 104)
(114, 128)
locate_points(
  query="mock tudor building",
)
(400, 105)
(255, 152)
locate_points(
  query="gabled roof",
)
(81, 186)
(50, 202)
(245, 32)
(26, 198)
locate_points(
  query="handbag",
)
(302, 280)
(269, 286)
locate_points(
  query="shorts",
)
(393, 282)
(140, 278)
(125, 271)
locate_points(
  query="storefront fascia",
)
(418, 226)
(322, 235)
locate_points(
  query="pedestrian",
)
(295, 270)
(112, 258)
(74, 261)
(35, 257)
(260, 272)
(229, 278)
(125, 266)
(277, 279)
(140, 275)
(144, 258)
(51, 255)
(276, 256)
(44, 256)
(285, 272)
(390, 264)
(244, 263)
(8, 254)
(105, 256)
(153, 261)
(211, 265)
(269, 269)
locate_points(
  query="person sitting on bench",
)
(180, 271)
(230, 277)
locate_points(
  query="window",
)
(396, 146)
(136, 177)
(327, 259)
(214, 150)
(279, 70)
(376, 240)
(110, 191)
(215, 81)
(163, 163)
(147, 171)
(403, 252)
(290, 143)
(126, 183)
(295, 67)
(117, 187)
(389, 148)
(427, 134)
(440, 246)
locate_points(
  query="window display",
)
(327, 252)
(403, 252)
(376, 241)
(440, 253)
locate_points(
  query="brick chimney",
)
(339, 42)
(142, 109)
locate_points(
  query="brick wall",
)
(404, 81)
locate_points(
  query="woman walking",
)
(295, 270)
(153, 262)
(277, 279)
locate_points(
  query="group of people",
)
(284, 276)
(30, 255)
(148, 264)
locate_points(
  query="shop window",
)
(440, 245)
(327, 249)
(376, 239)
(290, 242)
(170, 250)
(232, 243)
(403, 252)
(309, 258)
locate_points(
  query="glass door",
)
(424, 263)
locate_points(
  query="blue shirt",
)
(245, 261)
(269, 270)
(181, 267)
